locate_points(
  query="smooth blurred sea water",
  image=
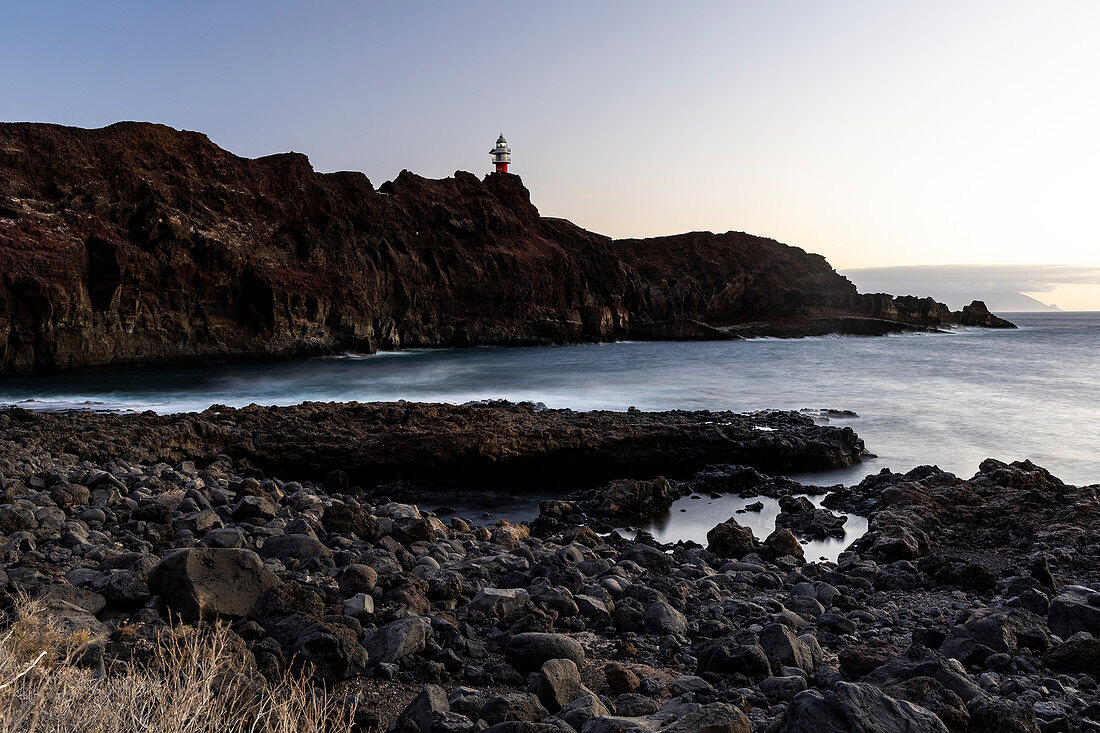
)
(949, 399)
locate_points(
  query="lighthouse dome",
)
(501, 140)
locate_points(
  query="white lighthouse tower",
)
(502, 154)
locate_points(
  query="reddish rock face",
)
(140, 243)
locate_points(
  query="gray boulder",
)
(205, 582)
(498, 602)
(990, 714)
(931, 695)
(1000, 631)
(693, 718)
(559, 683)
(648, 557)
(784, 649)
(122, 589)
(398, 639)
(580, 712)
(427, 707)
(661, 618)
(918, 661)
(295, 547)
(782, 689)
(1075, 608)
(521, 706)
(529, 651)
(258, 509)
(854, 708)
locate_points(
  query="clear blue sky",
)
(876, 133)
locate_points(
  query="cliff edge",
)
(140, 243)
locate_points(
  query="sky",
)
(879, 134)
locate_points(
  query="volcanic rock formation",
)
(969, 606)
(140, 243)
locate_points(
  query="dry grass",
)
(172, 497)
(191, 682)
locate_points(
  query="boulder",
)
(333, 651)
(648, 557)
(408, 530)
(559, 683)
(206, 582)
(72, 619)
(730, 539)
(578, 713)
(780, 543)
(295, 547)
(530, 650)
(803, 518)
(999, 631)
(1075, 608)
(359, 605)
(630, 498)
(1076, 655)
(784, 649)
(730, 658)
(520, 706)
(661, 618)
(620, 678)
(853, 707)
(719, 717)
(990, 714)
(498, 602)
(398, 639)
(257, 509)
(633, 705)
(919, 661)
(356, 578)
(347, 519)
(425, 709)
(931, 695)
(858, 660)
(683, 684)
(782, 689)
(17, 518)
(897, 543)
(122, 589)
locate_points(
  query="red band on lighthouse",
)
(502, 155)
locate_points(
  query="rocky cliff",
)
(140, 243)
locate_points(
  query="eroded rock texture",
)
(140, 243)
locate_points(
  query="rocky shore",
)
(138, 243)
(969, 605)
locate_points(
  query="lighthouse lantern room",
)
(502, 154)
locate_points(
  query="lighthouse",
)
(502, 154)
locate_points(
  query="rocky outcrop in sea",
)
(969, 605)
(138, 243)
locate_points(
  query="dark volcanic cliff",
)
(137, 242)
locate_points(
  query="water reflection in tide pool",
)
(693, 516)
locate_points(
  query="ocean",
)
(950, 399)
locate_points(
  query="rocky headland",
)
(969, 604)
(138, 243)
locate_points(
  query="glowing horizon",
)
(877, 134)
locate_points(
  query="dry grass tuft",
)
(193, 682)
(172, 497)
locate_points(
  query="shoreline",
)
(961, 602)
(263, 358)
